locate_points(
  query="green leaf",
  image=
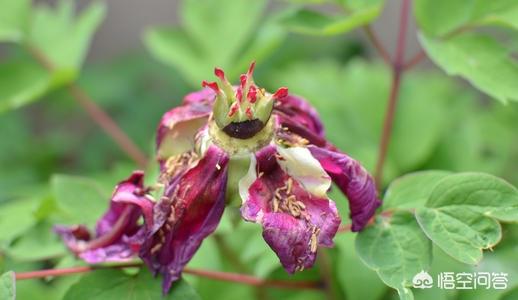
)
(115, 284)
(21, 82)
(16, 217)
(505, 17)
(8, 286)
(58, 37)
(314, 22)
(483, 193)
(441, 17)
(479, 59)
(510, 295)
(63, 37)
(40, 237)
(462, 211)
(204, 42)
(14, 17)
(412, 190)
(460, 232)
(396, 248)
(81, 200)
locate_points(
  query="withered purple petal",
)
(205, 95)
(178, 127)
(297, 115)
(294, 221)
(354, 181)
(194, 205)
(118, 230)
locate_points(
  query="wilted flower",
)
(118, 234)
(202, 146)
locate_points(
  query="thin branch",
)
(416, 59)
(95, 112)
(377, 44)
(344, 228)
(397, 72)
(222, 276)
(422, 54)
(255, 281)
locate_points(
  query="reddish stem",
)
(344, 228)
(96, 113)
(223, 276)
(115, 232)
(377, 44)
(414, 60)
(397, 72)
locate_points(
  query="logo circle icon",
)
(422, 280)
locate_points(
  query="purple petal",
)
(299, 117)
(205, 95)
(178, 128)
(354, 181)
(295, 222)
(193, 204)
(129, 191)
(118, 232)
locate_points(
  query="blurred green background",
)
(145, 57)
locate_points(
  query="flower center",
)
(233, 145)
(243, 111)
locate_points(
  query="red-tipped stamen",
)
(219, 73)
(252, 94)
(233, 109)
(249, 113)
(281, 93)
(251, 69)
(239, 95)
(243, 79)
(212, 85)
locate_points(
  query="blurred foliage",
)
(58, 167)
(482, 60)
(56, 37)
(352, 14)
(221, 33)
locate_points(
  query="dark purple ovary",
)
(243, 130)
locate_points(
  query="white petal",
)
(303, 167)
(248, 179)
